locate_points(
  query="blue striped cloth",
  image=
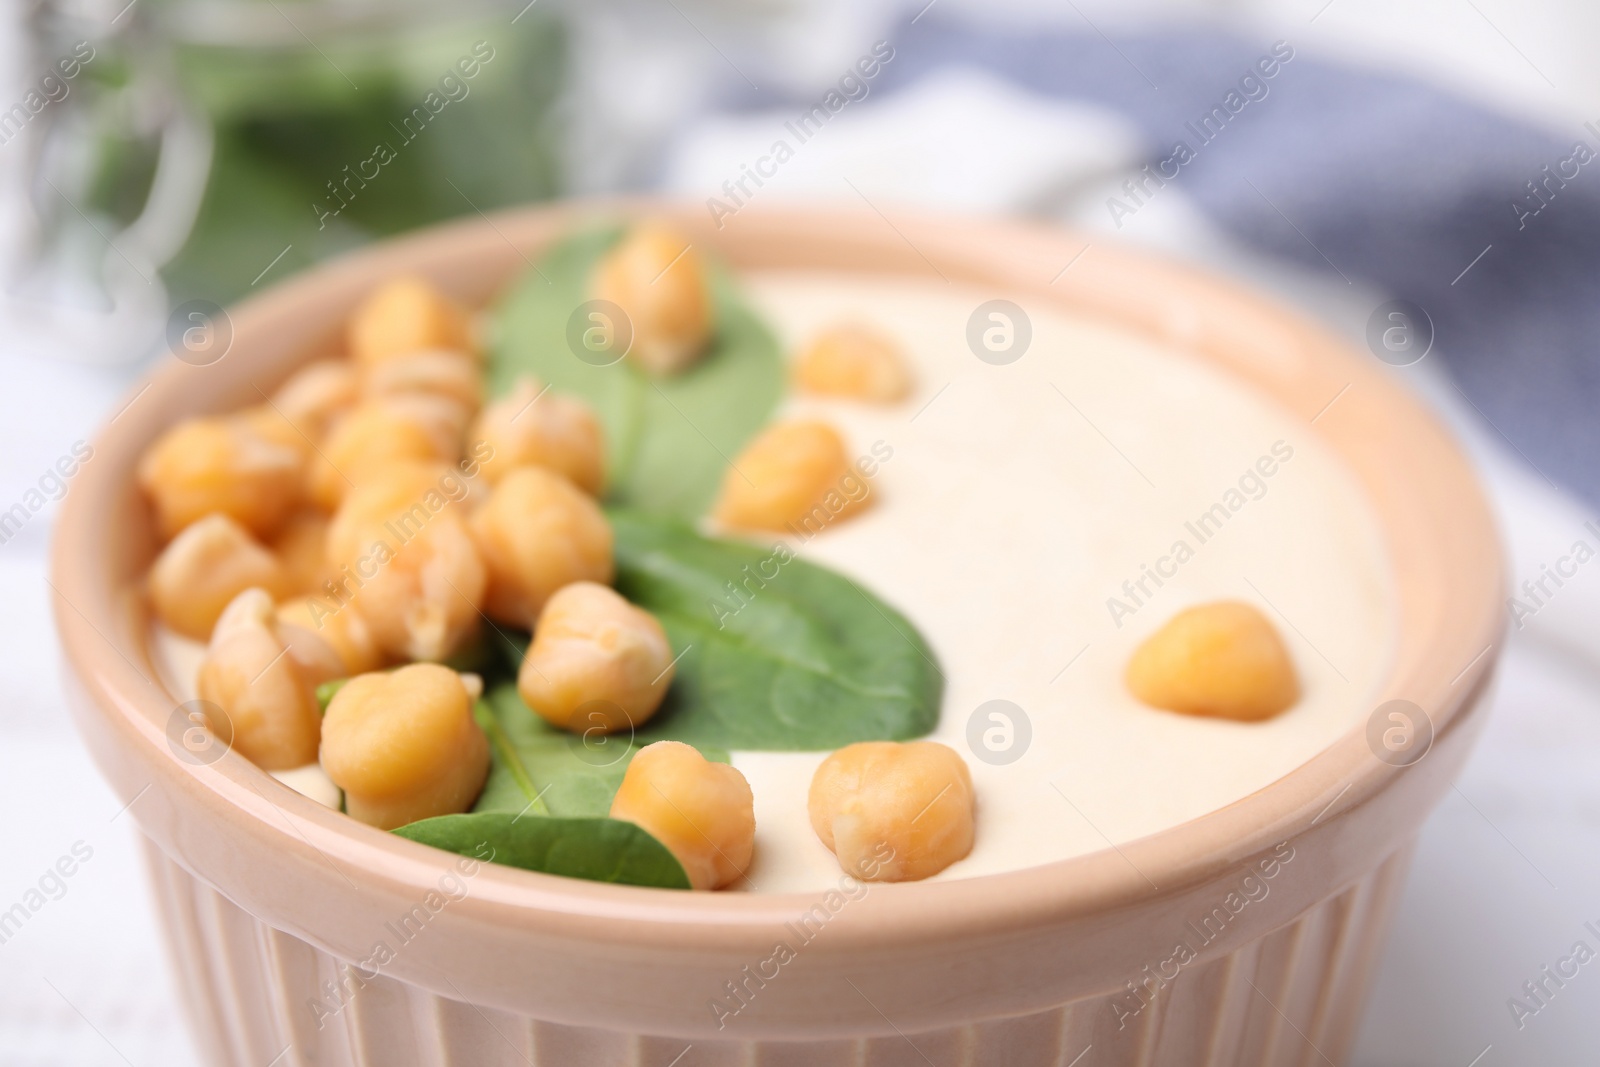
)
(1379, 177)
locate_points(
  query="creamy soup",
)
(1036, 520)
(1018, 501)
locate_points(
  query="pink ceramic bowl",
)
(274, 905)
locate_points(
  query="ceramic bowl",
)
(274, 905)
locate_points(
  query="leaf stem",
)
(633, 427)
(485, 714)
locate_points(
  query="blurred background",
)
(180, 154)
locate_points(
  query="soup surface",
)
(1037, 519)
(1018, 500)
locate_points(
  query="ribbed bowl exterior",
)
(1290, 998)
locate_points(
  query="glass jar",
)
(204, 147)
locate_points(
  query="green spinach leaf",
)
(669, 439)
(327, 691)
(601, 850)
(801, 658)
(569, 774)
(808, 661)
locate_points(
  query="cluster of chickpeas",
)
(370, 517)
(373, 512)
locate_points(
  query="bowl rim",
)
(1442, 543)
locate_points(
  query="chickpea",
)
(316, 395)
(658, 280)
(793, 473)
(220, 465)
(537, 533)
(404, 496)
(854, 361)
(404, 315)
(404, 746)
(313, 782)
(701, 811)
(265, 682)
(203, 569)
(893, 811)
(1223, 659)
(443, 416)
(272, 425)
(596, 661)
(407, 561)
(532, 427)
(442, 373)
(302, 551)
(378, 434)
(342, 628)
